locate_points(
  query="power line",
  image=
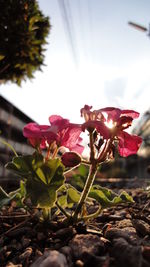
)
(68, 25)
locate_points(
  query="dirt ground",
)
(118, 237)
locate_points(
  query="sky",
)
(93, 57)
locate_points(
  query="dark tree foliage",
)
(23, 32)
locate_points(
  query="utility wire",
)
(68, 25)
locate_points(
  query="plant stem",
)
(46, 214)
(62, 210)
(91, 216)
(85, 192)
(90, 178)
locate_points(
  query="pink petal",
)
(99, 126)
(34, 130)
(128, 144)
(124, 122)
(113, 113)
(57, 120)
(71, 138)
(130, 113)
(85, 110)
(39, 134)
(37, 142)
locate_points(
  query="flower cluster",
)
(107, 125)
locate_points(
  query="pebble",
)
(126, 254)
(142, 227)
(86, 243)
(10, 264)
(66, 250)
(79, 263)
(128, 234)
(26, 254)
(51, 258)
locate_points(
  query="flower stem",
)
(86, 190)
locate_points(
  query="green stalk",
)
(46, 214)
(86, 190)
(10, 146)
(62, 210)
(91, 216)
(90, 179)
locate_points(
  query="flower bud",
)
(71, 159)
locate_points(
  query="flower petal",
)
(85, 112)
(99, 126)
(124, 122)
(130, 113)
(128, 144)
(34, 130)
(113, 113)
(71, 138)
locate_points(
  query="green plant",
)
(44, 171)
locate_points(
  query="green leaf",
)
(16, 195)
(40, 194)
(83, 170)
(21, 165)
(44, 178)
(107, 197)
(4, 197)
(73, 195)
(43, 191)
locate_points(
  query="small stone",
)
(51, 259)
(86, 243)
(66, 250)
(38, 253)
(125, 223)
(26, 254)
(79, 263)
(126, 254)
(142, 227)
(128, 234)
(7, 253)
(10, 264)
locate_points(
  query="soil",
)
(119, 236)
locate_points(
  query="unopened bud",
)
(71, 159)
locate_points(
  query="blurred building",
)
(143, 129)
(12, 121)
(139, 165)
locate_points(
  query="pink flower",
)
(94, 120)
(61, 130)
(68, 134)
(39, 134)
(121, 120)
(110, 123)
(128, 144)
